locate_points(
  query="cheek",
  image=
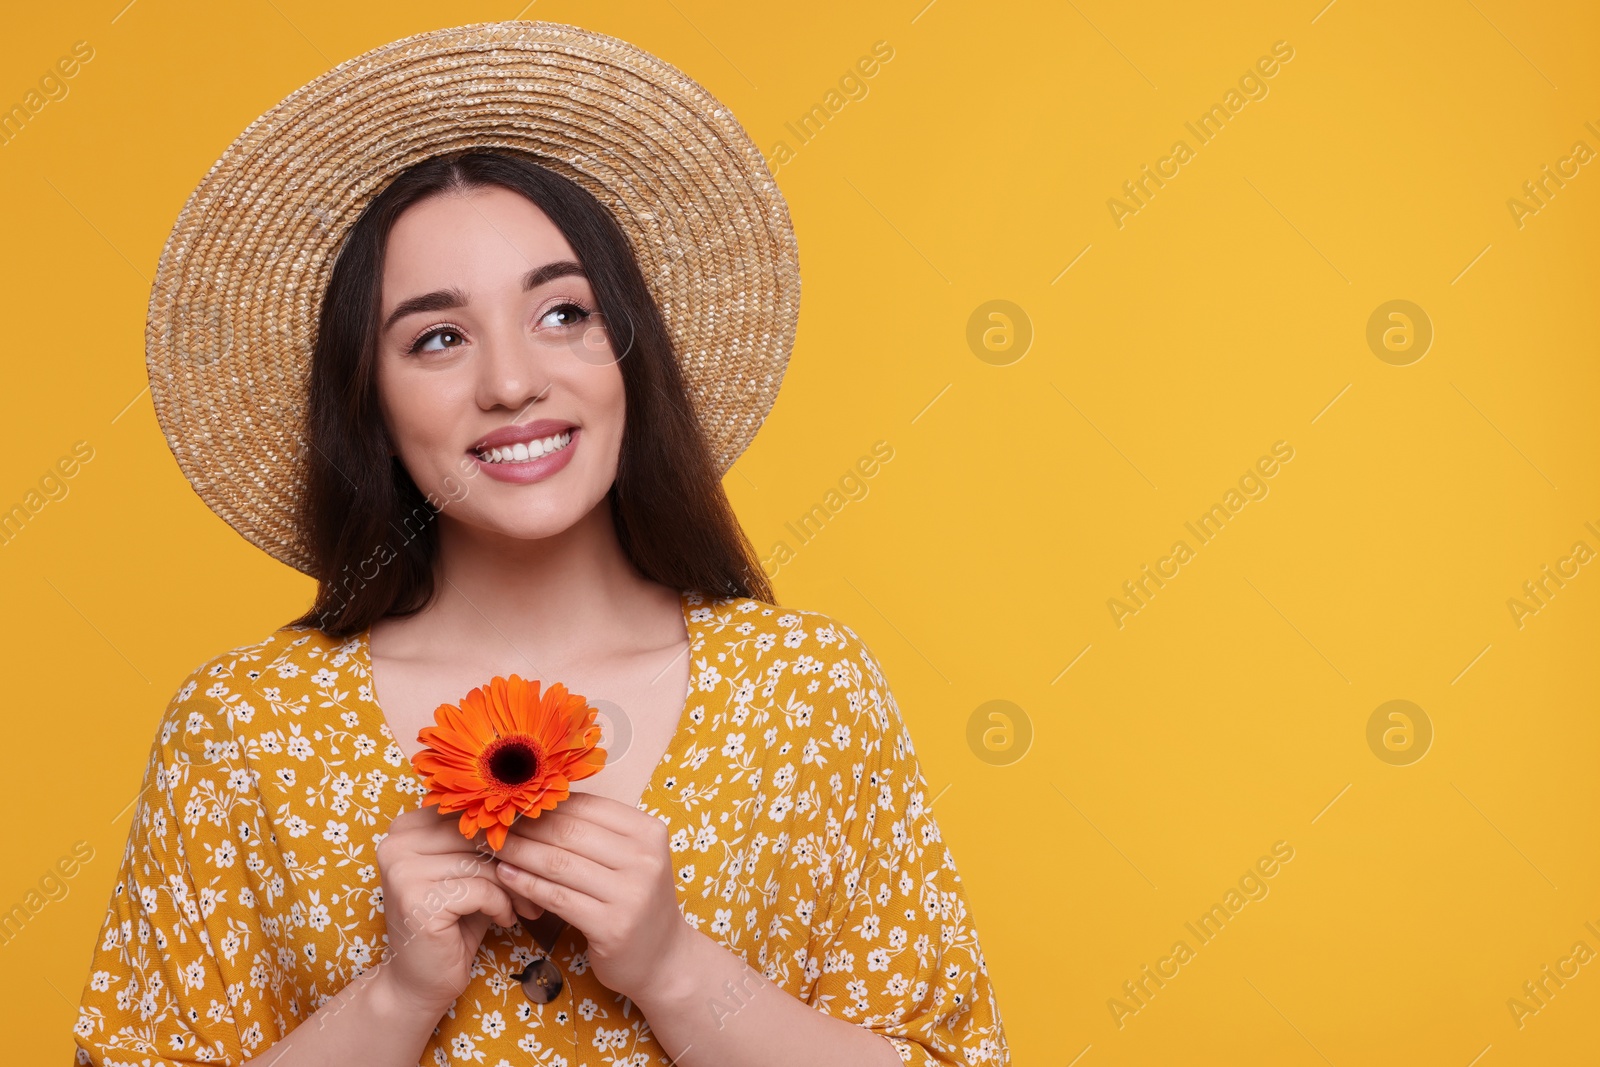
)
(594, 395)
(420, 411)
(616, 402)
(608, 396)
(610, 408)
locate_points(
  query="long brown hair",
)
(372, 532)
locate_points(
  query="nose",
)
(513, 372)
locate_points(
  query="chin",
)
(530, 524)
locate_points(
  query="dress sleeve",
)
(174, 978)
(898, 949)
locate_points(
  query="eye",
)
(571, 314)
(438, 331)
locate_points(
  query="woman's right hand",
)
(440, 894)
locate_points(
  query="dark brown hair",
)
(372, 532)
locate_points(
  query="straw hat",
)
(237, 294)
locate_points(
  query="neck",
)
(547, 597)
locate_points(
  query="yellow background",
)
(1227, 314)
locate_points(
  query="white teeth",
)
(520, 452)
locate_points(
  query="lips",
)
(520, 433)
(530, 452)
(534, 464)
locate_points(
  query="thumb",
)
(525, 907)
(476, 925)
(474, 896)
(519, 903)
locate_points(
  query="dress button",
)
(541, 981)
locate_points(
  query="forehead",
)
(476, 240)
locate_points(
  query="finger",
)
(526, 908)
(614, 815)
(445, 901)
(477, 925)
(468, 896)
(591, 840)
(557, 864)
(441, 835)
(578, 907)
(426, 878)
(519, 903)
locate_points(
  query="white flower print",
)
(797, 820)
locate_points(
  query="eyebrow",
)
(444, 299)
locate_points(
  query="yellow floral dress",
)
(249, 894)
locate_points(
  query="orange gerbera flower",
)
(505, 751)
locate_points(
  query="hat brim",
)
(237, 294)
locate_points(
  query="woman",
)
(510, 470)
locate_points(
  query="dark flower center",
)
(513, 762)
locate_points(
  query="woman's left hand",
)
(606, 868)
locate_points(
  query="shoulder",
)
(750, 615)
(798, 657)
(801, 632)
(282, 654)
(225, 690)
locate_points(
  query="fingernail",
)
(512, 871)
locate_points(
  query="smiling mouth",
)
(520, 452)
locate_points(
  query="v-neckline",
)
(669, 758)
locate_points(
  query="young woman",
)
(506, 472)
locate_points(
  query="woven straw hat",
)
(237, 294)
